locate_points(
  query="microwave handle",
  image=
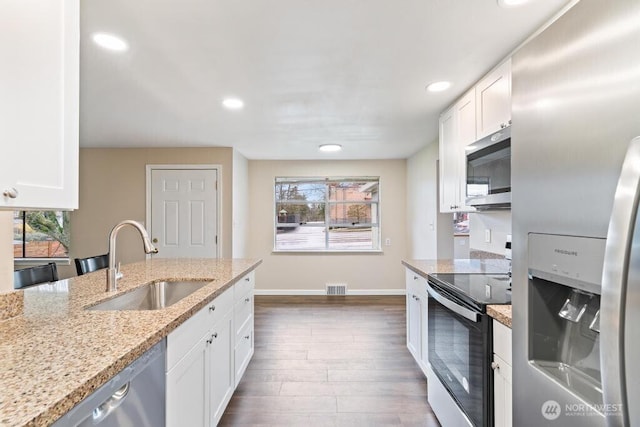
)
(458, 309)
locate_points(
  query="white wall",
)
(240, 208)
(429, 233)
(309, 273)
(6, 251)
(499, 222)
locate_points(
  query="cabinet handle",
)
(247, 279)
(247, 337)
(11, 193)
(212, 308)
(415, 277)
(509, 121)
(215, 335)
(210, 341)
(247, 299)
(495, 366)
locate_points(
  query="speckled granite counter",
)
(56, 353)
(502, 313)
(424, 267)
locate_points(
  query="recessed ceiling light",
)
(511, 3)
(330, 148)
(111, 42)
(439, 86)
(233, 103)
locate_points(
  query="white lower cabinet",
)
(502, 385)
(188, 388)
(207, 356)
(417, 339)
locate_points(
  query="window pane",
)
(17, 234)
(300, 213)
(352, 238)
(309, 191)
(46, 234)
(353, 191)
(298, 238)
(351, 213)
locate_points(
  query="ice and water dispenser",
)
(565, 274)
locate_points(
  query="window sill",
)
(327, 252)
(41, 261)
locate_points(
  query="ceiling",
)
(351, 72)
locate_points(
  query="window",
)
(40, 234)
(327, 214)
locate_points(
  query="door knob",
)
(11, 193)
(155, 240)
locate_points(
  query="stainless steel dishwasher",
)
(134, 397)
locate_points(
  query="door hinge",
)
(216, 240)
(216, 185)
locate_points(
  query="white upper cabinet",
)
(448, 167)
(493, 101)
(457, 130)
(39, 83)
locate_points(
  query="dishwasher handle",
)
(456, 308)
(103, 410)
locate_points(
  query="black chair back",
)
(35, 275)
(87, 265)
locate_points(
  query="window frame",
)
(375, 222)
(24, 260)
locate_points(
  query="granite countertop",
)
(502, 313)
(425, 267)
(56, 353)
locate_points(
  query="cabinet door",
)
(244, 350)
(493, 99)
(424, 338)
(502, 392)
(39, 82)
(188, 388)
(466, 130)
(449, 162)
(415, 333)
(221, 366)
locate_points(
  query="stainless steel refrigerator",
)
(576, 246)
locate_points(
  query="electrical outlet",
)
(487, 235)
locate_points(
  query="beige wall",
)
(113, 188)
(6, 251)
(240, 214)
(309, 273)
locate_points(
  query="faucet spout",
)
(113, 273)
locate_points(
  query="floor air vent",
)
(337, 289)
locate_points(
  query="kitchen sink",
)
(152, 296)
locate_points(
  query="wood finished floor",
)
(330, 361)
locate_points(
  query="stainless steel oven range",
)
(460, 386)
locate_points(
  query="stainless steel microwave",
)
(489, 171)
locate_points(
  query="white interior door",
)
(184, 212)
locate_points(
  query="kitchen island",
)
(56, 353)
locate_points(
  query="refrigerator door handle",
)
(614, 286)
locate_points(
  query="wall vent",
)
(337, 289)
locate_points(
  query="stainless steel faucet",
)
(113, 274)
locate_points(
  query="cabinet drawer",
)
(185, 336)
(243, 351)
(242, 312)
(502, 341)
(244, 285)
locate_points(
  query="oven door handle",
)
(458, 309)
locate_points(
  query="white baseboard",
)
(322, 292)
